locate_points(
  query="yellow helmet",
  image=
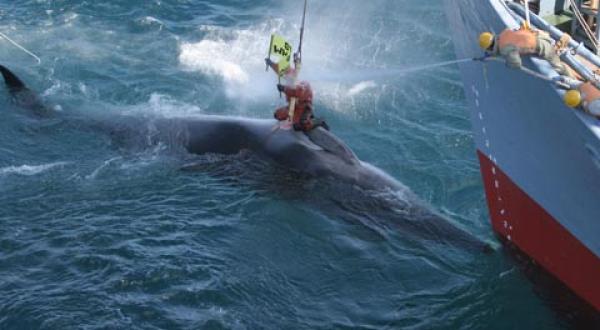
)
(486, 39)
(572, 98)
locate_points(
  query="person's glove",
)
(280, 88)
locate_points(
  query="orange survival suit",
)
(303, 111)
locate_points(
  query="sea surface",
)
(100, 234)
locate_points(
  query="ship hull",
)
(540, 161)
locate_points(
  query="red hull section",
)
(518, 218)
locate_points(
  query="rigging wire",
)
(16, 44)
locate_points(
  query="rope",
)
(21, 47)
(586, 28)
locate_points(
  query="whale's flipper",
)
(333, 144)
(13, 83)
(22, 95)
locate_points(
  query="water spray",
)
(383, 73)
(391, 73)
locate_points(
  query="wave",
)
(30, 170)
(207, 57)
(163, 106)
(235, 56)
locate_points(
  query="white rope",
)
(586, 28)
(21, 47)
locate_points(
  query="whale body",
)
(317, 153)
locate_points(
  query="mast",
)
(302, 31)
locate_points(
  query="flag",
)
(283, 49)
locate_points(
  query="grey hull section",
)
(520, 123)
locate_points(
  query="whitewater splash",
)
(236, 56)
(30, 170)
(205, 56)
(164, 106)
(350, 70)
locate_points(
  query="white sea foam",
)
(236, 56)
(104, 165)
(163, 106)
(338, 59)
(57, 87)
(70, 17)
(29, 170)
(151, 21)
(209, 57)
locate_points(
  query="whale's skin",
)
(291, 149)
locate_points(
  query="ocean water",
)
(99, 234)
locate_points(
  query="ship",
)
(539, 159)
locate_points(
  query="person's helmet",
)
(572, 98)
(486, 40)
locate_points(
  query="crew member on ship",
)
(512, 44)
(583, 94)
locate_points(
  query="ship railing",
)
(591, 10)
